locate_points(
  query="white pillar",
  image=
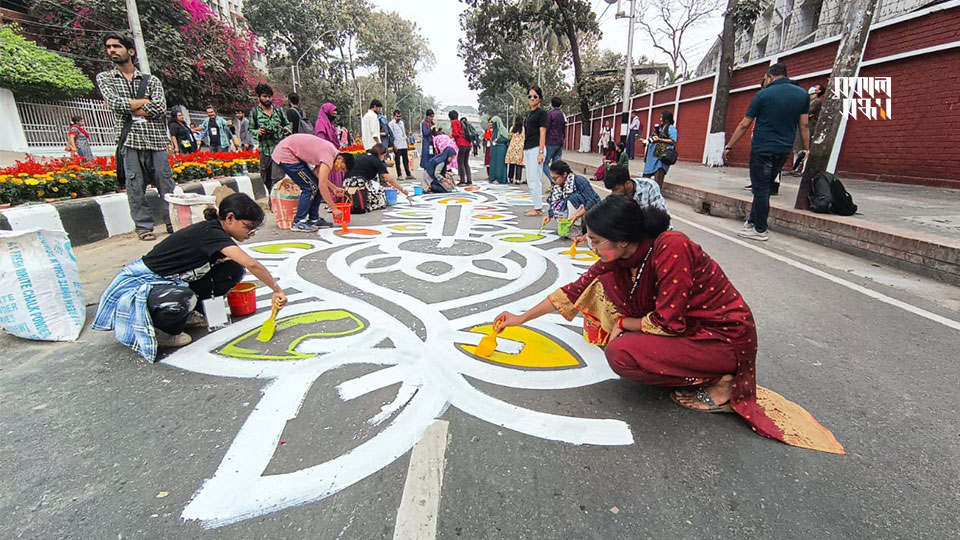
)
(12, 138)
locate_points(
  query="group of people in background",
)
(662, 140)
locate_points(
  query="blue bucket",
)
(417, 190)
(391, 195)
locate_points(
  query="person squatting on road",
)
(571, 195)
(366, 172)
(296, 154)
(667, 315)
(154, 298)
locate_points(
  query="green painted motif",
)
(247, 346)
(281, 249)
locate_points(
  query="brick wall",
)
(811, 60)
(933, 29)
(702, 87)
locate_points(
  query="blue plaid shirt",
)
(123, 308)
(648, 194)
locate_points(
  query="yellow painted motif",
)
(518, 237)
(538, 352)
(246, 346)
(415, 214)
(454, 200)
(490, 216)
(281, 249)
(409, 227)
(581, 254)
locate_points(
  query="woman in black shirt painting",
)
(153, 299)
(535, 130)
(365, 172)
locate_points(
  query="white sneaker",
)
(752, 234)
(168, 340)
(196, 320)
(747, 226)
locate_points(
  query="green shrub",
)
(29, 70)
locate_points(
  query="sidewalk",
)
(913, 227)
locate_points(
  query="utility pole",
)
(133, 17)
(856, 27)
(627, 73)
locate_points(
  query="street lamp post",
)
(295, 68)
(628, 73)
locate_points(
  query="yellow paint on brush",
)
(538, 352)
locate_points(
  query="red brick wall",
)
(919, 143)
(934, 29)
(692, 119)
(665, 96)
(816, 59)
(748, 76)
(698, 88)
(641, 102)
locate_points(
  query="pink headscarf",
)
(323, 127)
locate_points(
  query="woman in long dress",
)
(324, 129)
(664, 137)
(498, 151)
(667, 315)
(78, 139)
(514, 157)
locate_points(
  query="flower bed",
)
(74, 177)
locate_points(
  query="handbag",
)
(125, 132)
(358, 199)
(669, 156)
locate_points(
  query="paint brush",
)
(270, 326)
(489, 342)
(542, 224)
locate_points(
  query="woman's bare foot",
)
(720, 393)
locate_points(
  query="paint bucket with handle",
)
(242, 299)
(417, 190)
(391, 195)
(563, 227)
(344, 207)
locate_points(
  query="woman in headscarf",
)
(499, 140)
(324, 129)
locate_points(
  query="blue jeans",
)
(309, 205)
(550, 154)
(764, 167)
(632, 144)
(219, 148)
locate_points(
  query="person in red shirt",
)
(463, 153)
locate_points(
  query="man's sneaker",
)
(409, 177)
(747, 226)
(303, 226)
(320, 223)
(748, 188)
(752, 234)
(196, 320)
(168, 340)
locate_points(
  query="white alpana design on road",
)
(442, 240)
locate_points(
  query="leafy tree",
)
(30, 70)
(603, 74)
(393, 46)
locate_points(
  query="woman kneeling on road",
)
(364, 173)
(668, 316)
(153, 299)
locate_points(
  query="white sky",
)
(439, 22)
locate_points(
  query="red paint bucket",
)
(345, 208)
(242, 299)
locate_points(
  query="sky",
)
(439, 22)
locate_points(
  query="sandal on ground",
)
(146, 236)
(532, 213)
(703, 397)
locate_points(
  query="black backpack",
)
(827, 194)
(469, 133)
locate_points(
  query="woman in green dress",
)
(498, 151)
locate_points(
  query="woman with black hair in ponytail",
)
(667, 315)
(153, 299)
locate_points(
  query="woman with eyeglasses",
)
(667, 315)
(153, 299)
(534, 147)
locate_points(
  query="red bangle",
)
(620, 324)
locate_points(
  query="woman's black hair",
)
(612, 146)
(238, 204)
(561, 167)
(173, 115)
(621, 146)
(76, 119)
(517, 124)
(428, 113)
(377, 150)
(536, 89)
(619, 218)
(453, 115)
(666, 117)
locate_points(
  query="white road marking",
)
(417, 515)
(819, 273)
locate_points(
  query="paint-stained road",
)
(335, 437)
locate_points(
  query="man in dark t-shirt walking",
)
(779, 109)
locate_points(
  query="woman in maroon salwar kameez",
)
(668, 316)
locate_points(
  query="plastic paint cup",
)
(563, 227)
(391, 195)
(242, 299)
(418, 190)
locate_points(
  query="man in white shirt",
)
(400, 145)
(370, 125)
(635, 127)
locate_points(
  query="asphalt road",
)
(98, 444)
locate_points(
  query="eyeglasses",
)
(593, 245)
(533, 96)
(251, 229)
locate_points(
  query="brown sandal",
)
(146, 236)
(532, 213)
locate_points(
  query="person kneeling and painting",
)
(364, 175)
(571, 195)
(667, 315)
(153, 299)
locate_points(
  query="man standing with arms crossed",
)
(779, 108)
(143, 150)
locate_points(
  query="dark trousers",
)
(463, 164)
(402, 154)
(764, 169)
(631, 143)
(266, 170)
(170, 305)
(308, 207)
(515, 172)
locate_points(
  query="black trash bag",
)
(169, 306)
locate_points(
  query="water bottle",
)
(245, 168)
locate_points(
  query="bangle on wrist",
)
(620, 324)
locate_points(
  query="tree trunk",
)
(571, 32)
(856, 26)
(718, 123)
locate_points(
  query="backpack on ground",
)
(842, 200)
(820, 197)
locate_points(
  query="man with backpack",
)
(464, 144)
(298, 120)
(779, 109)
